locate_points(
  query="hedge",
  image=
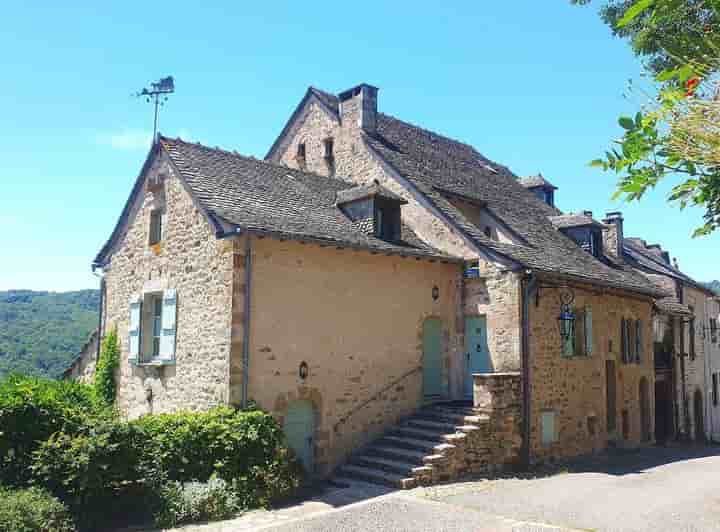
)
(32, 510)
(31, 410)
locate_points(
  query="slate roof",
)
(247, 194)
(441, 167)
(536, 181)
(671, 305)
(563, 221)
(636, 253)
(366, 191)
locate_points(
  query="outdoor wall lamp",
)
(566, 323)
(303, 370)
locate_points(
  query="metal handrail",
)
(362, 405)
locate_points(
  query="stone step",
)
(397, 453)
(385, 464)
(441, 417)
(428, 424)
(420, 434)
(413, 444)
(375, 476)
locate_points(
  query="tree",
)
(677, 134)
(107, 364)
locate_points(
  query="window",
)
(630, 340)
(301, 150)
(328, 146)
(155, 227)
(715, 389)
(151, 327)
(691, 338)
(549, 430)
(387, 222)
(714, 330)
(581, 343)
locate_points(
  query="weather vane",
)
(158, 94)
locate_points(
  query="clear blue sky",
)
(534, 85)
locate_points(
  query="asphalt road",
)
(658, 489)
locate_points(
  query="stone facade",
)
(194, 262)
(82, 368)
(356, 320)
(574, 390)
(712, 343)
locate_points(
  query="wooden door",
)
(477, 354)
(300, 431)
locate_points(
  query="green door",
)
(432, 358)
(299, 432)
(477, 354)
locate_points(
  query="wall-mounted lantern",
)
(435, 293)
(303, 370)
(566, 319)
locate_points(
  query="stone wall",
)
(356, 319)
(82, 368)
(193, 261)
(697, 379)
(573, 390)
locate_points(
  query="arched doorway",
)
(699, 421)
(644, 409)
(432, 359)
(299, 429)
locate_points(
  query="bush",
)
(31, 410)
(95, 472)
(244, 448)
(32, 510)
(107, 364)
(195, 501)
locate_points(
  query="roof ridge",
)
(265, 162)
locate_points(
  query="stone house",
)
(389, 294)
(686, 346)
(521, 255)
(82, 368)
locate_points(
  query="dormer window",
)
(328, 149)
(155, 233)
(373, 210)
(541, 187)
(387, 221)
(583, 229)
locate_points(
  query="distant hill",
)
(41, 332)
(714, 286)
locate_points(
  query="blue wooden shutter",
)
(588, 331)
(134, 327)
(167, 333)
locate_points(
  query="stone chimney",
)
(613, 234)
(358, 108)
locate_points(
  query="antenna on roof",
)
(158, 94)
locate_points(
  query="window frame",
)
(155, 229)
(329, 149)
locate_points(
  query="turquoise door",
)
(432, 358)
(299, 432)
(477, 355)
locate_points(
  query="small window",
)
(387, 223)
(715, 389)
(328, 146)
(155, 227)
(692, 336)
(301, 150)
(156, 325)
(714, 330)
(549, 430)
(488, 231)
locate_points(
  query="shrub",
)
(32, 510)
(94, 472)
(107, 364)
(31, 410)
(196, 501)
(241, 447)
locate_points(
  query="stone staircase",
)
(437, 443)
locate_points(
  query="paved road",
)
(658, 489)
